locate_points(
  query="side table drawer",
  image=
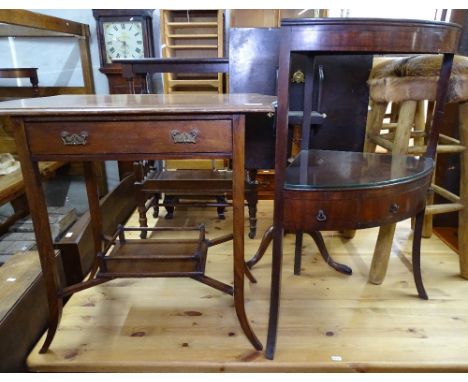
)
(161, 136)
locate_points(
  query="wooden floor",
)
(328, 321)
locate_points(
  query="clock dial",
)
(123, 39)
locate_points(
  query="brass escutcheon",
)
(74, 139)
(298, 77)
(184, 137)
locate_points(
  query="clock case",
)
(117, 84)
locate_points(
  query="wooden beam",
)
(27, 92)
(20, 31)
(30, 19)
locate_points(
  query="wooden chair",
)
(153, 179)
(339, 190)
(30, 73)
(408, 84)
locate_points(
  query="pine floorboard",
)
(328, 321)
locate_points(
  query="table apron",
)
(130, 139)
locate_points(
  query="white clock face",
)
(123, 39)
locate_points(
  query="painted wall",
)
(58, 59)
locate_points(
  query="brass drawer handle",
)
(321, 217)
(74, 139)
(184, 137)
(394, 208)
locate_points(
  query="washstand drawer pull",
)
(321, 217)
(394, 208)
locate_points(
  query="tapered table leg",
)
(238, 229)
(40, 218)
(274, 293)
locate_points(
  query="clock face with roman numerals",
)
(123, 39)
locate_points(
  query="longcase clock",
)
(122, 33)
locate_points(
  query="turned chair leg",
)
(251, 196)
(385, 239)
(298, 253)
(252, 206)
(222, 209)
(143, 221)
(169, 202)
(156, 199)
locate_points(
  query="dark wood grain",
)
(36, 126)
(332, 208)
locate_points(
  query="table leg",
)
(275, 292)
(238, 228)
(94, 211)
(40, 218)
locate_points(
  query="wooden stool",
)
(409, 83)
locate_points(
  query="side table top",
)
(140, 104)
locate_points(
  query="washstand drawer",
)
(353, 209)
(175, 136)
(306, 212)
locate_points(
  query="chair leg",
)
(221, 210)
(274, 293)
(169, 206)
(156, 205)
(251, 196)
(141, 205)
(342, 268)
(417, 234)
(266, 240)
(252, 201)
(298, 253)
(385, 239)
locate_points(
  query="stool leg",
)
(385, 238)
(420, 125)
(427, 223)
(463, 214)
(375, 119)
(374, 123)
(381, 256)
